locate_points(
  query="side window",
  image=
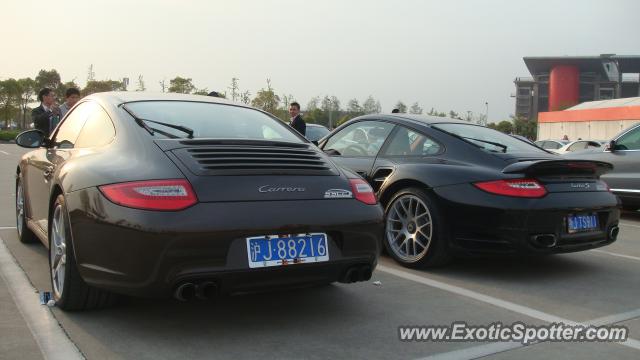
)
(554, 145)
(67, 133)
(97, 131)
(364, 138)
(629, 141)
(578, 146)
(407, 142)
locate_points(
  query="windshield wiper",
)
(141, 122)
(504, 147)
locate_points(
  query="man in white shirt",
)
(71, 97)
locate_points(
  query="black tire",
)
(25, 235)
(74, 294)
(436, 251)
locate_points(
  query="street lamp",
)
(486, 117)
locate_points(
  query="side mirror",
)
(31, 139)
(611, 146)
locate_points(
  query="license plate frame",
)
(314, 247)
(578, 223)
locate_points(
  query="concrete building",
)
(558, 83)
(594, 120)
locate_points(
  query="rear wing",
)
(559, 168)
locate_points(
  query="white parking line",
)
(630, 225)
(52, 341)
(4, 152)
(7, 227)
(629, 257)
(615, 318)
(481, 350)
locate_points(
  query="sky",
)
(444, 54)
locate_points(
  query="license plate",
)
(579, 223)
(278, 250)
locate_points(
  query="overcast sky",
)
(445, 54)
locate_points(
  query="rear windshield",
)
(489, 139)
(207, 120)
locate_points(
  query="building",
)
(593, 120)
(558, 83)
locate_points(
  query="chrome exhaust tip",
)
(613, 232)
(544, 240)
(185, 292)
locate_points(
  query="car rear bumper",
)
(482, 223)
(149, 253)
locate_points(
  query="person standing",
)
(296, 119)
(47, 114)
(71, 97)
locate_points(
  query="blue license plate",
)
(579, 223)
(277, 250)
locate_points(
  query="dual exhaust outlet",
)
(205, 290)
(550, 240)
(356, 273)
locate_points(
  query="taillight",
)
(168, 195)
(527, 188)
(363, 191)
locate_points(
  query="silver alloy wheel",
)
(58, 251)
(20, 208)
(409, 228)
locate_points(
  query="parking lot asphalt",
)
(356, 321)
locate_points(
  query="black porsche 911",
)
(454, 188)
(153, 195)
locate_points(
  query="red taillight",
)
(175, 194)
(363, 191)
(527, 188)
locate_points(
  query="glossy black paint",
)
(478, 222)
(147, 253)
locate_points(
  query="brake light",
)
(363, 191)
(526, 188)
(167, 195)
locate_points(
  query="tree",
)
(330, 105)
(505, 126)
(454, 115)
(140, 86)
(245, 97)
(181, 85)
(266, 99)
(286, 100)
(371, 106)
(9, 100)
(163, 85)
(313, 103)
(354, 108)
(91, 75)
(50, 79)
(202, 91)
(523, 126)
(401, 107)
(96, 86)
(415, 109)
(27, 92)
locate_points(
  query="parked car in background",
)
(315, 132)
(624, 153)
(157, 194)
(450, 187)
(579, 145)
(551, 144)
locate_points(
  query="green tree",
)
(50, 79)
(415, 109)
(313, 104)
(371, 106)
(354, 108)
(97, 86)
(28, 91)
(234, 88)
(266, 99)
(181, 85)
(523, 126)
(505, 126)
(203, 91)
(245, 97)
(401, 107)
(9, 100)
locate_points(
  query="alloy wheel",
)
(58, 251)
(409, 228)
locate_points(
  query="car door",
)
(42, 167)
(625, 177)
(356, 146)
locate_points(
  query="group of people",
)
(47, 116)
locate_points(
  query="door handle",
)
(48, 171)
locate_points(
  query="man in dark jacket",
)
(47, 114)
(296, 120)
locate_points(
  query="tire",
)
(25, 235)
(415, 235)
(68, 289)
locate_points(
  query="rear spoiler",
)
(559, 167)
